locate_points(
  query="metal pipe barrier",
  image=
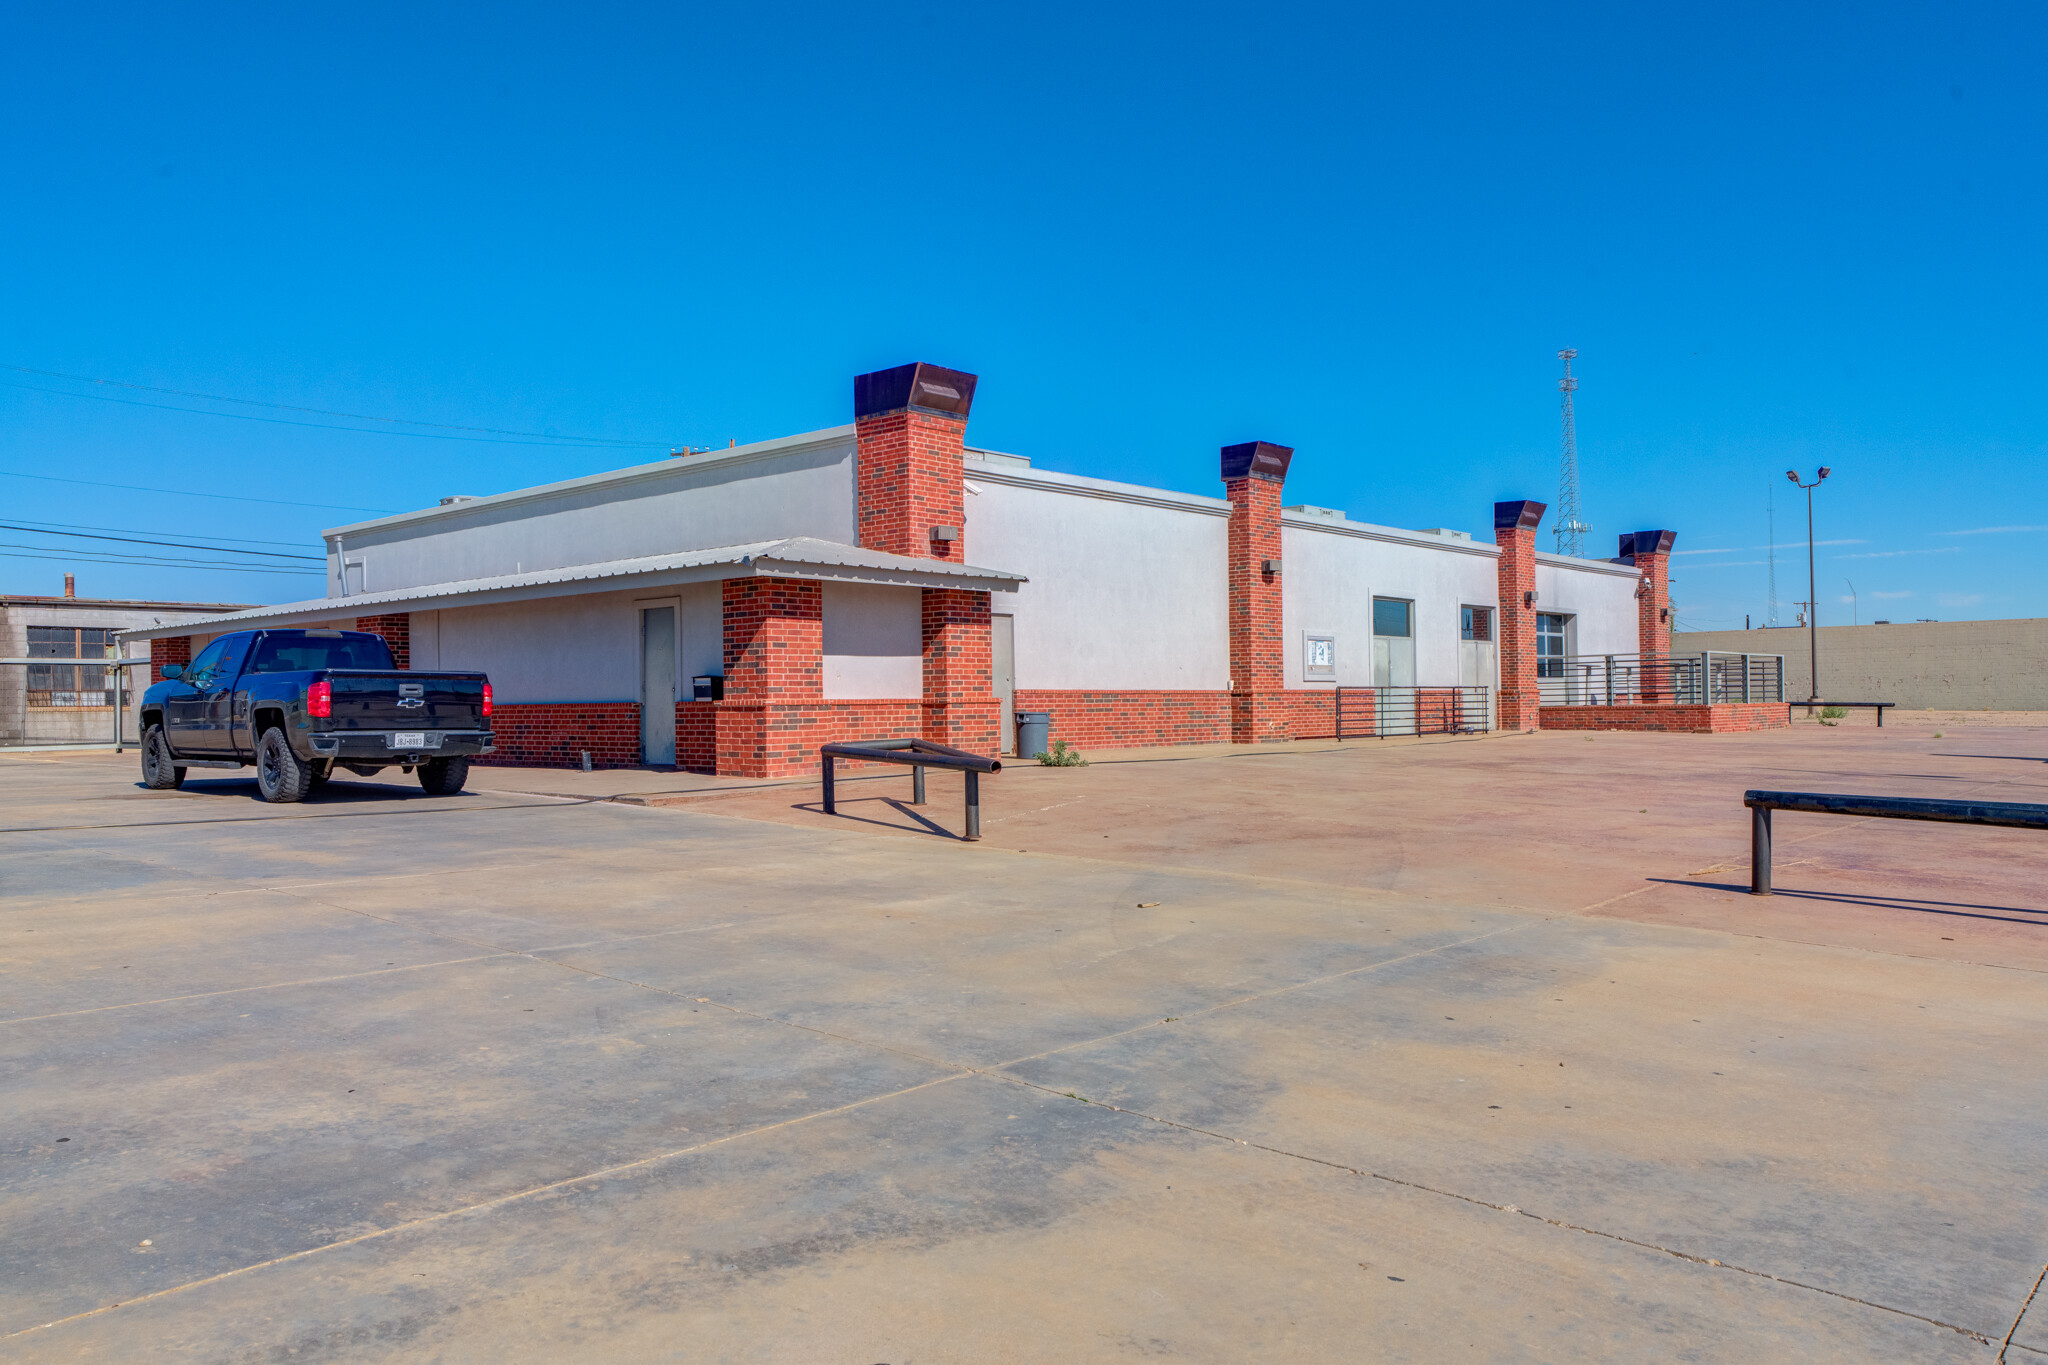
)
(117, 678)
(917, 754)
(2010, 814)
(1878, 706)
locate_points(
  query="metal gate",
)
(1381, 712)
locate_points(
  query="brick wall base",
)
(1720, 719)
(781, 739)
(1130, 720)
(557, 734)
(170, 649)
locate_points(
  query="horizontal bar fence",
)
(2010, 814)
(1709, 678)
(917, 754)
(1385, 712)
(76, 678)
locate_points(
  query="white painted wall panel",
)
(874, 641)
(1601, 599)
(689, 506)
(1122, 596)
(1330, 578)
(557, 649)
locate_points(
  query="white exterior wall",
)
(1331, 572)
(1600, 597)
(583, 648)
(874, 641)
(1129, 587)
(802, 486)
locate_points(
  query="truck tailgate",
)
(406, 701)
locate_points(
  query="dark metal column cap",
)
(1258, 460)
(928, 388)
(1635, 543)
(1508, 516)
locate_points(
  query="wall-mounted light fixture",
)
(1529, 598)
(945, 533)
(1272, 566)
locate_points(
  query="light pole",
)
(1813, 597)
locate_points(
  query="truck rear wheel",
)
(159, 772)
(280, 776)
(444, 776)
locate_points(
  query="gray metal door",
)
(658, 686)
(1002, 649)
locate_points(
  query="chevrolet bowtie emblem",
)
(410, 701)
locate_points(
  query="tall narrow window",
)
(1393, 642)
(1551, 632)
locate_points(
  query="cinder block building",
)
(731, 611)
(49, 698)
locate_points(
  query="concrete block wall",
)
(1921, 665)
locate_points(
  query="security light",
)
(1792, 474)
(1823, 471)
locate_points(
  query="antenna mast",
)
(1570, 530)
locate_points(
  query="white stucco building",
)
(886, 578)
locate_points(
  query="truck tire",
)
(444, 776)
(159, 772)
(280, 776)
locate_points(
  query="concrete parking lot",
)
(1411, 1051)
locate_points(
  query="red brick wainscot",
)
(558, 734)
(168, 649)
(1131, 720)
(1718, 719)
(781, 739)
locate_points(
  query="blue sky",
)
(1778, 236)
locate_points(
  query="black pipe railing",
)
(2011, 814)
(917, 754)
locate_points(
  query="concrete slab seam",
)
(1474, 1200)
(540, 803)
(2021, 1317)
(605, 1173)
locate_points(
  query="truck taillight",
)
(320, 699)
(487, 699)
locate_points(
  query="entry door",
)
(1475, 655)
(658, 686)
(1002, 649)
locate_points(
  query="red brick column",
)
(910, 424)
(1253, 476)
(397, 633)
(960, 704)
(1514, 530)
(174, 649)
(1650, 552)
(774, 675)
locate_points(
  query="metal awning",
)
(797, 557)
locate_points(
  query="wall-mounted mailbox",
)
(707, 689)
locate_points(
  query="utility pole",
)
(1812, 595)
(1569, 529)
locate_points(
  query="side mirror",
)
(171, 671)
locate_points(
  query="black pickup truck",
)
(296, 703)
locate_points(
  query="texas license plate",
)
(409, 739)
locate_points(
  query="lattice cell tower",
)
(1569, 528)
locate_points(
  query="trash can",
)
(1034, 729)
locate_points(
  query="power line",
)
(187, 493)
(173, 544)
(87, 557)
(491, 435)
(80, 526)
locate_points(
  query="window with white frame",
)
(1553, 631)
(1318, 658)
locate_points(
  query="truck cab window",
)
(305, 654)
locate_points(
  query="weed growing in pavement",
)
(1063, 755)
(1832, 715)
